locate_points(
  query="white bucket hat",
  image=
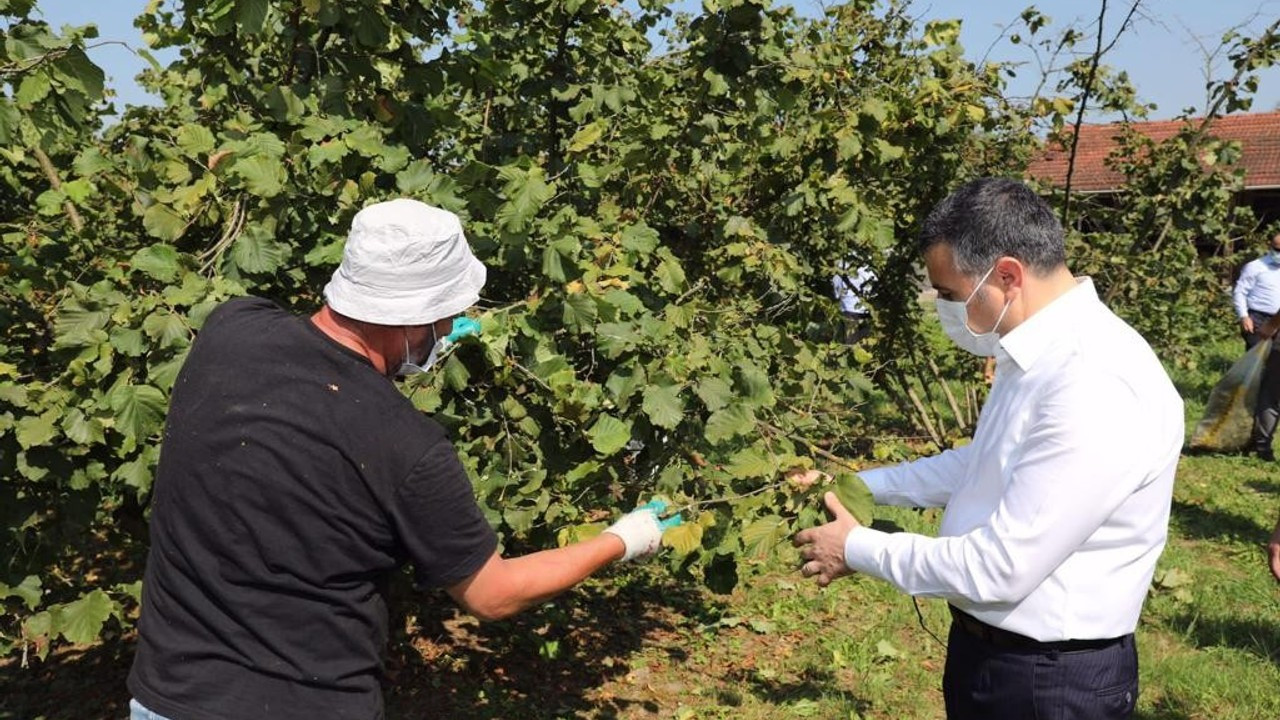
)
(405, 263)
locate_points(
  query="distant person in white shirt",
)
(1257, 297)
(849, 289)
(1058, 509)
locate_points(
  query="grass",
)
(636, 644)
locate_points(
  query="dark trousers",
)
(857, 325)
(1268, 410)
(984, 682)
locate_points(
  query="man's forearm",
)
(504, 587)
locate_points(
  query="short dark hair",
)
(990, 218)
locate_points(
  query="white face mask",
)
(462, 327)
(408, 367)
(954, 316)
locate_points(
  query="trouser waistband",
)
(1013, 641)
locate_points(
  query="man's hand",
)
(1246, 324)
(1273, 551)
(822, 547)
(641, 529)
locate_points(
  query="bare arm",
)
(503, 587)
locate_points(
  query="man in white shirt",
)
(848, 289)
(1256, 298)
(1058, 509)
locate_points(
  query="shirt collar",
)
(1027, 342)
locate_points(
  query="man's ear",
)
(1010, 274)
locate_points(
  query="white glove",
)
(640, 531)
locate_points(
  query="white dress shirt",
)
(1058, 509)
(851, 297)
(1258, 288)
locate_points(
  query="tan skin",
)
(1026, 292)
(1273, 551)
(1246, 322)
(503, 586)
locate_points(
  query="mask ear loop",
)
(408, 362)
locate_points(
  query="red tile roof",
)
(1258, 133)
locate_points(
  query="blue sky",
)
(1164, 52)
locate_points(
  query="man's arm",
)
(504, 587)
(1240, 294)
(1077, 466)
(927, 482)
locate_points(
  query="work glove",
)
(641, 529)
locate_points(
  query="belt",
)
(1007, 640)
(1259, 312)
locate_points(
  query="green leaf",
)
(730, 422)
(714, 393)
(625, 302)
(263, 175)
(195, 140)
(135, 473)
(251, 15)
(580, 311)
(28, 591)
(166, 329)
(129, 341)
(83, 429)
(164, 374)
(856, 497)
(328, 152)
(526, 192)
(256, 251)
(577, 533)
(417, 176)
(77, 326)
(755, 385)
(670, 276)
(587, 136)
(36, 430)
(139, 409)
(162, 223)
(456, 375)
(886, 651)
(683, 538)
(752, 462)
(609, 434)
(33, 88)
(663, 406)
(82, 620)
(640, 238)
(716, 85)
(760, 537)
(159, 261)
(10, 120)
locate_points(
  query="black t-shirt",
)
(293, 479)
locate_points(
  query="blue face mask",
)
(462, 327)
(1272, 256)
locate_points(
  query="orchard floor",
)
(637, 646)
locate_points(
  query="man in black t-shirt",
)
(294, 478)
